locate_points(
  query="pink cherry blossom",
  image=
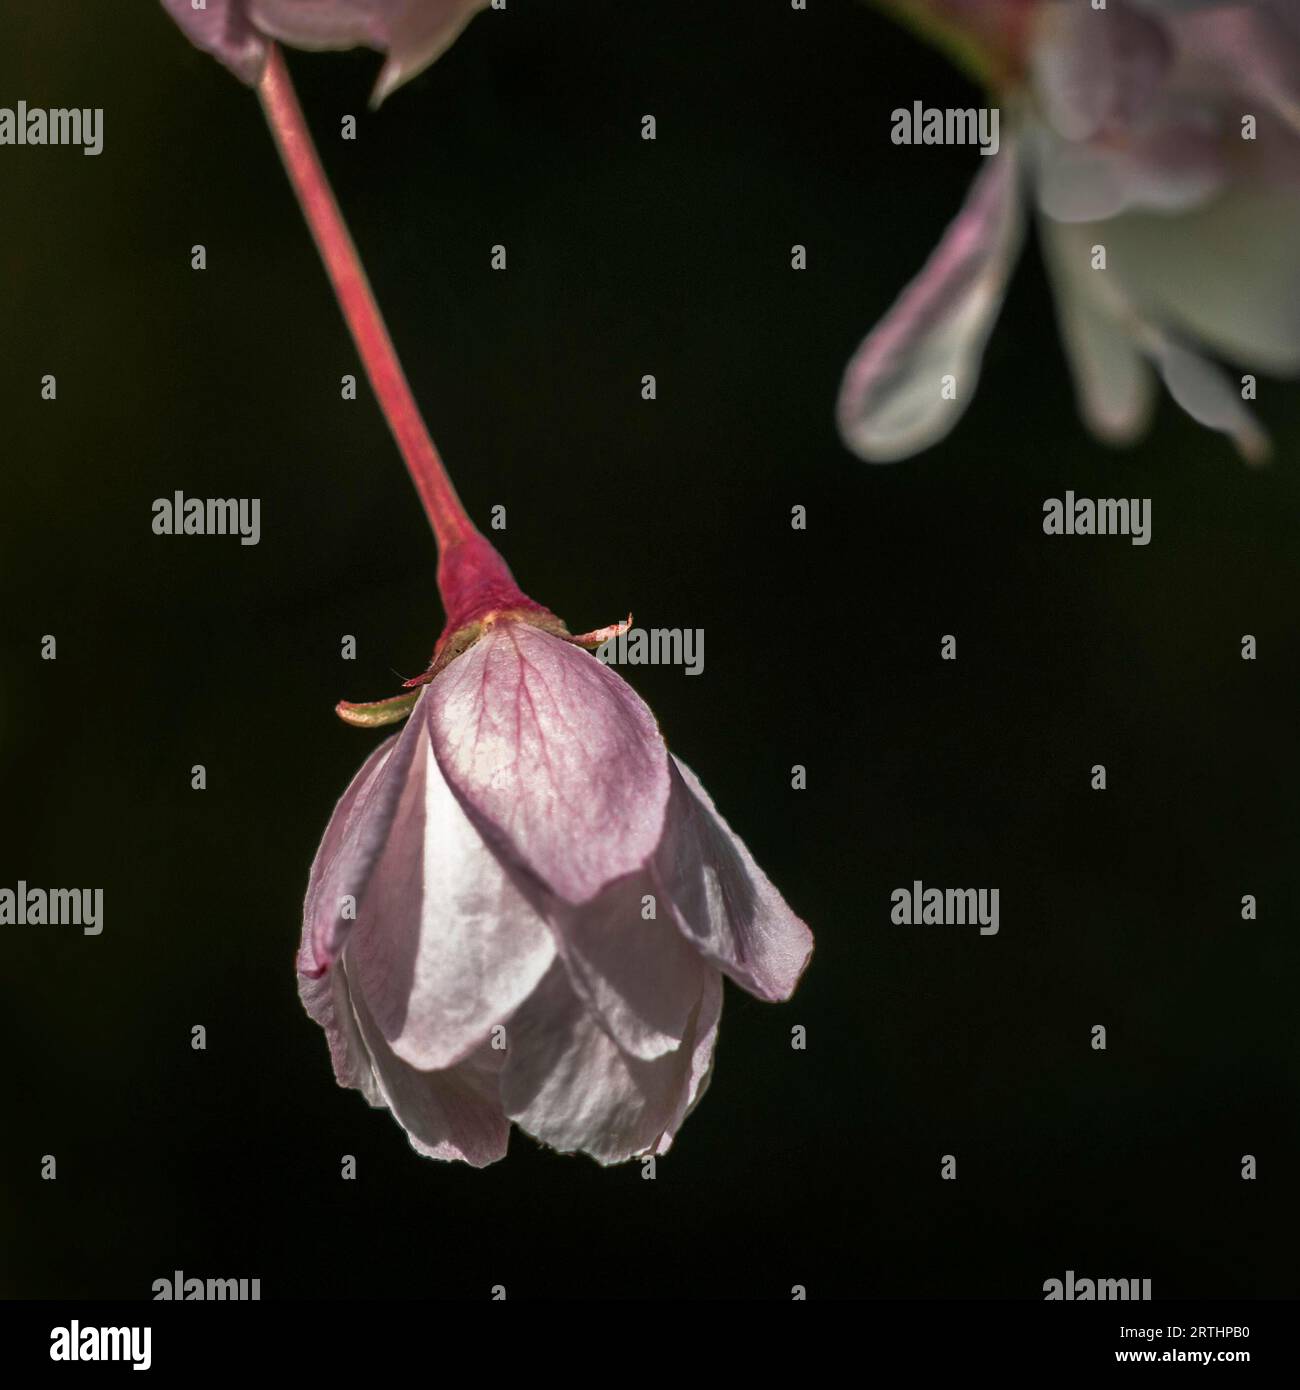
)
(413, 33)
(1126, 132)
(523, 908)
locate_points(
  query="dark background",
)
(822, 648)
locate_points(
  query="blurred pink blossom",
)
(411, 32)
(1127, 130)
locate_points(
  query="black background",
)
(625, 257)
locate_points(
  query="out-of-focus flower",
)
(1166, 132)
(411, 32)
(523, 906)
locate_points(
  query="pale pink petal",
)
(1104, 325)
(703, 1038)
(722, 901)
(1176, 161)
(1210, 397)
(1229, 278)
(1095, 67)
(641, 977)
(1257, 48)
(222, 28)
(570, 1086)
(327, 1001)
(422, 33)
(556, 759)
(892, 401)
(413, 33)
(444, 944)
(1167, 165)
(326, 24)
(451, 1114)
(1112, 379)
(454, 1114)
(354, 839)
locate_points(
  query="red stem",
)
(450, 522)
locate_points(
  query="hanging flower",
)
(1166, 133)
(412, 33)
(523, 905)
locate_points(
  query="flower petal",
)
(1104, 323)
(451, 1114)
(354, 839)
(444, 944)
(703, 1039)
(723, 902)
(1229, 276)
(326, 999)
(421, 34)
(641, 978)
(1094, 67)
(1169, 165)
(1112, 380)
(1207, 394)
(891, 401)
(413, 33)
(1256, 49)
(326, 24)
(556, 759)
(569, 1085)
(223, 29)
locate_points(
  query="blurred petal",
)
(556, 759)
(723, 902)
(1260, 48)
(422, 33)
(452, 1114)
(1093, 67)
(413, 33)
(321, 24)
(1230, 277)
(444, 945)
(1210, 397)
(1286, 13)
(569, 1085)
(1168, 165)
(890, 401)
(1112, 380)
(354, 839)
(223, 29)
